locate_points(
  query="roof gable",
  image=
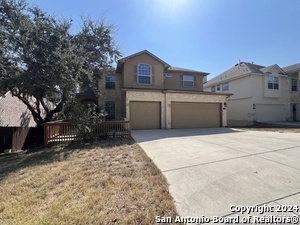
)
(269, 68)
(121, 61)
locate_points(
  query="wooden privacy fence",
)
(69, 131)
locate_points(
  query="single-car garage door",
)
(195, 114)
(145, 115)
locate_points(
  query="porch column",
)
(168, 111)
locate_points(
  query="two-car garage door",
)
(147, 115)
(195, 114)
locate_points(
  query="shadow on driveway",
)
(155, 134)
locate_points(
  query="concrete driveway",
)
(211, 170)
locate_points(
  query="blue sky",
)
(205, 35)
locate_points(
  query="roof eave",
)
(166, 65)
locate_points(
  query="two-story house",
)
(260, 94)
(152, 94)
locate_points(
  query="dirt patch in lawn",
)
(280, 130)
(106, 182)
(271, 128)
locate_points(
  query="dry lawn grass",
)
(107, 182)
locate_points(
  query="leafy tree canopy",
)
(42, 63)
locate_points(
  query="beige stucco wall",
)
(112, 95)
(158, 79)
(252, 101)
(130, 73)
(175, 82)
(240, 112)
(294, 97)
(166, 99)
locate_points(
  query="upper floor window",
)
(273, 82)
(110, 82)
(188, 81)
(294, 84)
(213, 88)
(144, 73)
(225, 87)
(218, 87)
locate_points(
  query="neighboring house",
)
(151, 94)
(260, 94)
(293, 72)
(16, 123)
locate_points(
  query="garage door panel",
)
(145, 115)
(195, 115)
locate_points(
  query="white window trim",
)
(213, 88)
(138, 75)
(296, 85)
(188, 80)
(227, 86)
(273, 82)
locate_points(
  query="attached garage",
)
(145, 115)
(195, 115)
(267, 113)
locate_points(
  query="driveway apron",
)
(214, 171)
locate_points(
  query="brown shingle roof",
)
(292, 68)
(238, 70)
(182, 70)
(14, 113)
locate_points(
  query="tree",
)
(43, 64)
(85, 116)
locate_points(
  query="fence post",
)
(45, 134)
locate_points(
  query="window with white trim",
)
(294, 85)
(213, 88)
(144, 73)
(188, 81)
(225, 87)
(110, 82)
(110, 109)
(218, 87)
(273, 82)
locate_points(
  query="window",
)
(110, 109)
(188, 81)
(225, 87)
(294, 84)
(273, 82)
(110, 82)
(213, 89)
(218, 87)
(144, 73)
